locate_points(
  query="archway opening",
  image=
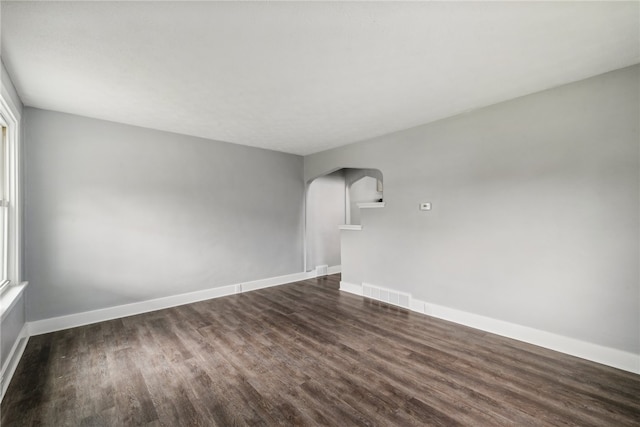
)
(331, 201)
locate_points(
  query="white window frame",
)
(4, 206)
(10, 119)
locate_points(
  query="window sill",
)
(371, 205)
(350, 227)
(9, 298)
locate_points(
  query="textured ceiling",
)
(303, 77)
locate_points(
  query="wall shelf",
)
(371, 205)
(350, 227)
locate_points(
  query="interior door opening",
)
(331, 201)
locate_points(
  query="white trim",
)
(596, 353)
(11, 114)
(354, 227)
(9, 94)
(275, 281)
(347, 204)
(9, 297)
(371, 205)
(352, 288)
(3, 286)
(305, 250)
(53, 324)
(417, 305)
(334, 269)
(13, 359)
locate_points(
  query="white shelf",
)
(350, 227)
(371, 205)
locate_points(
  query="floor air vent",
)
(321, 270)
(389, 296)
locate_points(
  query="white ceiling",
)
(303, 77)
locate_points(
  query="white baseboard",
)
(334, 269)
(274, 281)
(417, 305)
(351, 288)
(13, 359)
(44, 326)
(596, 353)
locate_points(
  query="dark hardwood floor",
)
(306, 354)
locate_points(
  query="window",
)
(9, 202)
(4, 210)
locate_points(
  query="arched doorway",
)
(331, 201)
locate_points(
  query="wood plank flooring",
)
(305, 354)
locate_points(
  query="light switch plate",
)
(425, 206)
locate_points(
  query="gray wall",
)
(535, 214)
(12, 323)
(325, 212)
(364, 190)
(117, 214)
(355, 196)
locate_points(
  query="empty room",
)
(320, 213)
